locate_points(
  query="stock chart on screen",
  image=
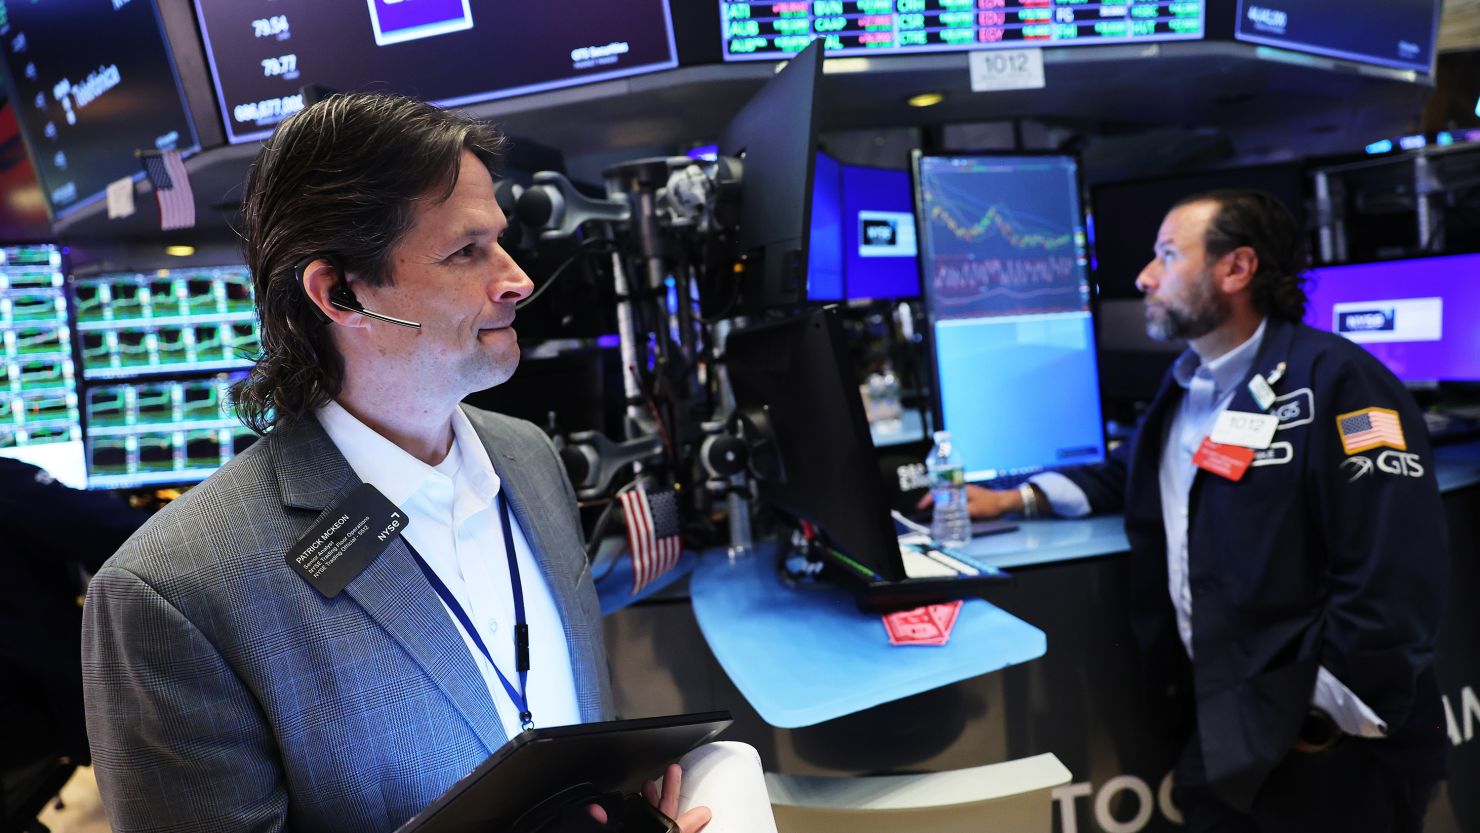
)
(1004, 265)
(1002, 238)
(765, 31)
(39, 419)
(156, 433)
(169, 321)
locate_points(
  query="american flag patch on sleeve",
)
(1370, 428)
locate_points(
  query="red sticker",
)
(1230, 461)
(923, 625)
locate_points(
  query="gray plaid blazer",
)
(224, 693)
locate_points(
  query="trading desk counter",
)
(804, 656)
(1080, 701)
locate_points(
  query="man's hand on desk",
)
(666, 801)
(985, 504)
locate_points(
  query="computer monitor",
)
(1394, 33)
(796, 392)
(862, 243)
(169, 321)
(1420, 317)
(1004, 267)
(39, 418)
(450, 53)
(165, 432)
(776, 135)
(826, 278)
(91, 83)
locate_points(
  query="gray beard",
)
(1184, 325)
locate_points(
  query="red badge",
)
(1230, 461)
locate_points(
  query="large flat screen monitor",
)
(1420, 317)
(92, 82)
(1395, 33)
(449, 52)
(39, 418)
(167, 432)
(1004, 267)
(760, 30)
(863, 234)
(165, 322)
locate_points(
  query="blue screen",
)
(862, 243)
(1003, 254)
(879, 234)
(825, 245)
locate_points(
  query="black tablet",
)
(539, 763)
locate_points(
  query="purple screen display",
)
(1419, 317)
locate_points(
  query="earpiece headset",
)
(340, 297)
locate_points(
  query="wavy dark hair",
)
(1259, 220)
(338, 180)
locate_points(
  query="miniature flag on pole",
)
(652, 534)
(166, 172)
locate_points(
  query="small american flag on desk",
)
(166, 172)
(1370, 428)
(653, 533)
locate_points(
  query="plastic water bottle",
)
(950, 526)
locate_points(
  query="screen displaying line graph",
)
(163, 322)
(1005, 271)
(1002, 235)
(39, 417)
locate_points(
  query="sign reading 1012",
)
(284, 66)
(1006, 69)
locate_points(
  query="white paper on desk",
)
(120, 198)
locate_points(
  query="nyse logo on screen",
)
(1366, 321)
(886, 234)
(1389, 319)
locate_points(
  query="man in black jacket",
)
(51, 532)
(1289, 554)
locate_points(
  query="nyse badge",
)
(1294, 408)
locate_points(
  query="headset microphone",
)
(340, 297)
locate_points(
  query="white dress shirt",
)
(1209, 388)
(453, 522)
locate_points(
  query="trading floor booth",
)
(783, 243)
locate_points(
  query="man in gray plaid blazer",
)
(224, 691)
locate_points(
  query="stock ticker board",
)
(756, 31)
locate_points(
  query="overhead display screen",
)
(449, 52)
(766, 31)
(1395, 33)
(92, 81)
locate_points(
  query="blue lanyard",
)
(521, 630)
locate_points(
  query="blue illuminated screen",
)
(1004, 265)
(863, 234)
